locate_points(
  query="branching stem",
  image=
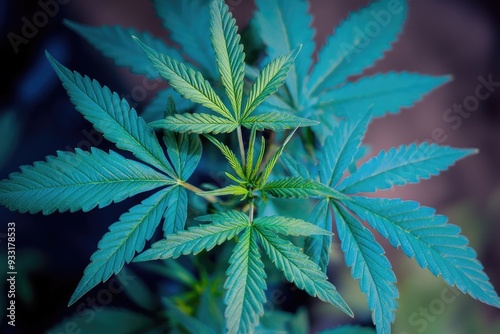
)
(196, 190)
(242, 147)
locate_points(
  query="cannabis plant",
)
(288, 129)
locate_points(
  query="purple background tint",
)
(460, 38)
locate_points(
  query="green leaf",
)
(298, 269)
(284, 25)
(299, 187)
(368, 263)
(318, 247)
(228, 52)
(184, 151)
(223, 216)
(230, 157)
(156, 108)
(229, 190)
(435, 244)
(341, 148)
(113, 117)
(249, 167)
(295, 168)
(403, 165)
(356, 45)
(382, 93)
(77, 181)
(269, 80)
(124, 239)
(186, 81)
(191, 324)
(116, 43)
(176, 213)
(274, 159)
(245, 285)
(289, 226)
(195, 123)
(276, 121)
(178, 17)
(194, 240)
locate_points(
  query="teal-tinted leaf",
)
(195, 123)
(77, 181)
(136, 289)
(358, 42)
(221, 217)
(368, 263)
(176, 213)
(294, 167)
(113, 117)
(435, 244)
(245, 285)
(363, 151)
(124, 239)
(382, 93)
(269, 80)
(276, 121)
(341, 148)
(349, 330)
(318, 247)
(298, 187)
(274, 159)
(289, 226)
(186, 81)
(193, 240)
(190, 324)
(298, 269)
(228, 52)
(178, 17)
(156, 108)
(184, 151)
(403, 165)
(284, 25)
(116, 43)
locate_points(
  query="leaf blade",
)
(289, 226)
(195, 123)
(276, 121)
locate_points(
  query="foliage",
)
(309, 97)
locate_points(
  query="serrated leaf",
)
(245, 285)
(284, 25)
(354, 47)
(435, 244)
(298, 269)
(289, 226)
(269, 80)
(156, 108)
(400, 166)
(178, 17)
(299, 187)
(186, 81)
(368, 263)
(223, 216)
(116, 43)
(176, 213)
(194, 240)
(195, 123)
(276, 121)
(226, 191)
(341, 148)
(228, 52)
(230, 157)
(274, 159)
(184, 151)
(382, 93)
(113, 117)
(296, 168)
(124, 239)
(318, 247)
(77, 181)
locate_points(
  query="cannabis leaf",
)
(420, 233)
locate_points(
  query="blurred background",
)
(460, 38)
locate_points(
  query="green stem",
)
(242, 147)
(196, 190)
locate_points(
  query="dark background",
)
(460, 38)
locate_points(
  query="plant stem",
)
(252, 207)
(242, 147)
(196, 190)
